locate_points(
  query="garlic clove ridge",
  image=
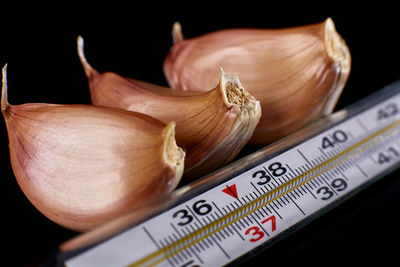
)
(212, 127)
(82, 165)
(298, 73)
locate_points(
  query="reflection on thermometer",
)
(269, 196)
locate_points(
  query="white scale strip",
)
(325, 183)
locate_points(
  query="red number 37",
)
(256, 233)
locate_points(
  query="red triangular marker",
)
(231, 190)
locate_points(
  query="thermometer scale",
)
(255, 201)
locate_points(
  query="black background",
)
(39, 45)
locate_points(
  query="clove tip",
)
(4, 101)
(177, 35)
(336, 47)
(337, 50)
(89, 70)
(234, 93)
(173, 154)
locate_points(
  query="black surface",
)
(40, 48)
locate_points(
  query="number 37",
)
(255, 232)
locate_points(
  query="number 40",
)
(338, 136)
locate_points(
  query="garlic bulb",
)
(82, 165)
(212, 127)
(296, 73)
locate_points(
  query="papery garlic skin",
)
(83, 165)
(296, 73)
(212, 127)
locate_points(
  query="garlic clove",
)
(212, 127)
(296, 73)
(82, 165)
